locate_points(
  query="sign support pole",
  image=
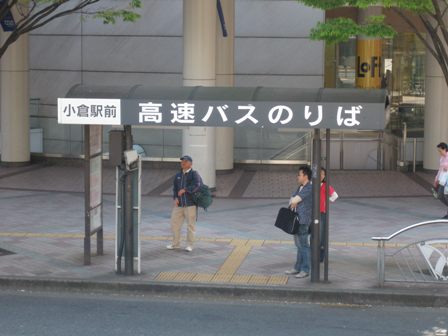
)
(327, 201)
(93, 190)
(315, 248)
(129, 234)
(87, 194)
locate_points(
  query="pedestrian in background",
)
(185, 183)
(323, 208)
(301, 201)
(442, 175)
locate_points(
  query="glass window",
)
(405, 65)
(403, 76)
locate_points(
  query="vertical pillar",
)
(128, 204)
(315, 246)
(200, 70)
(436, 118)
(15, 129)
(369, 55)
(327, 201)
(225, 77)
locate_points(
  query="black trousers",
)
(440, 194)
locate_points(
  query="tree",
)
(432, 13)
(32, 14)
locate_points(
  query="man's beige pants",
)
(178, 216)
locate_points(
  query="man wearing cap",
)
(185, 183)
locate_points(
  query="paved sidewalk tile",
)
(42, 225)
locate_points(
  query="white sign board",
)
(83, 111)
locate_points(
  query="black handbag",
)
(287, 220)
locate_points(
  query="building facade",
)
(271, 47)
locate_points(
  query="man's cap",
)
(187, 158)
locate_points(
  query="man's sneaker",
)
(188, 249)
(302, 274)
(291, 271)
(171, 247)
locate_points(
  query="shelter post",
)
(315, 248)
(129, 232)
(327, 203)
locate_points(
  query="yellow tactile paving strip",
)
(278, 280)
(241, 279)
(202, 277)
(235, 259)
(236, 242)
(227, 273)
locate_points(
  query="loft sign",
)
(373, 67)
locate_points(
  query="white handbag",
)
(333, 197)
(443, 178)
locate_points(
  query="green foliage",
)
(33, 14)
(341, 29)
(336, 30)
(418, 6)
(110, 16)
(331, 4)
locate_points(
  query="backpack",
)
(203, 197)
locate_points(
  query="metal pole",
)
(379, 152)
(100, 233)
(327, 202)
(310, 147)
(383, 165)
(381, 256)
(405, 139)
(341, 152)
(87, 259)
(129, 234)
(315, 248)
(121, 242)
(414, 155)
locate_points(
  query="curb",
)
(390, 297)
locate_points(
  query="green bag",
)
(203, 197)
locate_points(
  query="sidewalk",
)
(42, 225)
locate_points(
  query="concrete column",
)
(436, 118)
(225, 77)
(368, 55)
(199, 70)
(15, 125)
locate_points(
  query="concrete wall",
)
(271, 49)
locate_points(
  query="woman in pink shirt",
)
(441, 178)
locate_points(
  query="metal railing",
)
(292, 149)
(419, 261)
(404, 158)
